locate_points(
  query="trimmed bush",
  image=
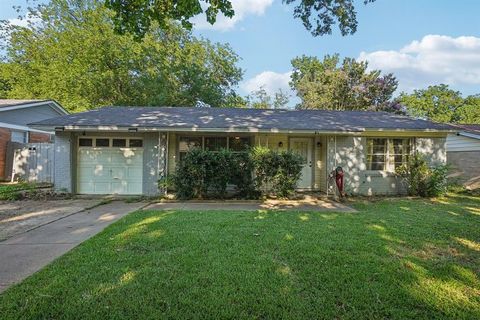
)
(422, 180)
(276, 172)
(189, 178)
(207, 174)
(242, 169)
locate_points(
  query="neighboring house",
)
(126, 150)
(14, 117)
(463, 155)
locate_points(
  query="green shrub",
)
(241, 177)
(203, 174)
(189, 178)
(422, 180)
(218, 172)
(276, 172)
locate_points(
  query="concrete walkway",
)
(24, 254)
(307, 204)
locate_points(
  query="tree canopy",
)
(318, 16)
(329, 84)
(442, 104)
(72, 54)
(260, 99)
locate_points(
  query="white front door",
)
(303, 146)
(110, 170)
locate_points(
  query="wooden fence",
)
(32, 162)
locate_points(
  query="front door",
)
(303, 146)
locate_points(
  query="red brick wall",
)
(35, 137)
(4, 138)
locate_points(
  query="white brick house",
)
(126, 150)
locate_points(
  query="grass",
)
(11, 191)
(394, 259)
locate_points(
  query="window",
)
(102, 142)
(119, 143)
(399, 152)
(135, 143)
(238, 144)
(387, 154)
(188, 143)
(19, 136)
(376, 154)
(83, 142)
(215, 143)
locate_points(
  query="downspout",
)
(166, 159)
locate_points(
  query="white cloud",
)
(242, 9)
(269, 80)
(24, 22)
(432, 60)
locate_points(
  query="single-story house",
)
(463, 155)
(126, 150)
(14, 117)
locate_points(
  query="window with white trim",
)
(387, 154)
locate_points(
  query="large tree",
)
(442, 104)
(72, 54)
(261, 99)
(329, 84)
(318, 16)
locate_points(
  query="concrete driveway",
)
(28, 252)
(19, 216)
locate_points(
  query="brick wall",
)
(35, 137)
(4, 138)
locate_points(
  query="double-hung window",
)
(384, 154)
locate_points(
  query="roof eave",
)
(54, 104)
(133, 128)
(469, 135)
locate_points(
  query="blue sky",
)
(422, 42)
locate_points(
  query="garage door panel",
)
(86, 187)
(118, 172)
(101, 187)
(88, 156)
(110, 171)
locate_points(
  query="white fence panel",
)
(34, 163)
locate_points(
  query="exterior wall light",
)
(280, 144)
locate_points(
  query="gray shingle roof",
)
(240, 119)
(470, 128)
(16, 102)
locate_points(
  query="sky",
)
(423, 42)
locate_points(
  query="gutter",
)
(23, 128)
(55, 105)
(469, 135)
(114, 128)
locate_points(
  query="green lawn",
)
(394, 259)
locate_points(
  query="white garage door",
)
(110, 166)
